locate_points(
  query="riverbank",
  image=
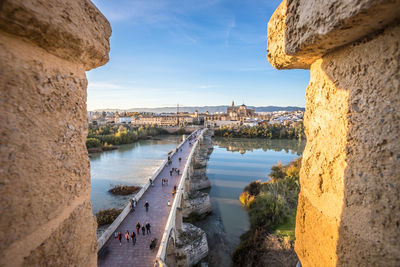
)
(101, 149)
(272, 210)
(268, 131)
(233, 164)
(108, 137)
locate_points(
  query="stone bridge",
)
(166, 220)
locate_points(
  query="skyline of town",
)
(180, 107)
(233, 115)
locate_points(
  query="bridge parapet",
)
(174, 222)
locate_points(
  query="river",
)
(131, 164)
(233, 164)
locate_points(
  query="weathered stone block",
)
(316, 235)
(199, 180)
(317, 27)
(70, 29)
(45, 179)
(349, 205)
(61, 247)
(191, 242)
(349, 175)
(196, 202)
(276, 38)
(301, 31)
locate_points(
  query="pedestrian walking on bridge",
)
(127, 236)
(133, 237)
(138, 227)
(120, 238)
(147, 206)
(133, 204)
(143, 230)
(148, 228)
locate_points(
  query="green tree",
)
(93, 142)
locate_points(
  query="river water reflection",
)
(233, 164)
(131, 164)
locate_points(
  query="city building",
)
(240, 112)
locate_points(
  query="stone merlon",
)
(46, 47)
(349, 202)
(301, 31)
(73, 30)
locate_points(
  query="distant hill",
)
(211, 109)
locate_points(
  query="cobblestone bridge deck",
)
(127, 254)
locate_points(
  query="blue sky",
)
(195, 53)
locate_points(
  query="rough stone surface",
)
(198, 178)
(277, 55)
(196, 202)
(191, 242)
(301, 31)
(61, 248)
(317, 27)
(349, 204)
(70, 29)
(45, 178)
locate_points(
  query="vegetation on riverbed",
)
(104, 136)
(94, 145)
(272, 210)
(124, 190)
(107, 216)
(269, 131)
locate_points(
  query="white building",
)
(125, 119)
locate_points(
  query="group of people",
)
(176, 170)
(164, 181)
(134, 204)
(128, 236)
(146, 228)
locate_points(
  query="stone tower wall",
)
(349, 204)
(46, 47)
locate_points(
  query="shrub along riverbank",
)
(272, 210)
(269, 131)
(107, 216)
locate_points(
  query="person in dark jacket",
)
(138, 227)
(148, 226)
(133, 237)
(143, 230)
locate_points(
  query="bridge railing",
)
(162, 251)
(111, 229)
